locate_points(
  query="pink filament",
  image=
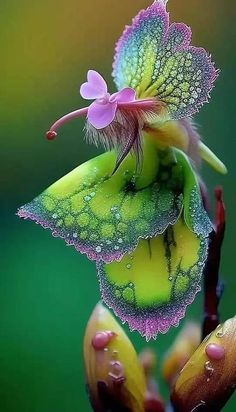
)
(52, 133)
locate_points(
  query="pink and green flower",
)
(137, 209)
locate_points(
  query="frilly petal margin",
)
(157, 60)
(104, 215)
(151, 289)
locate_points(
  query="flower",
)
(161, 79)
(136, 216)
(114, 375)
(102, 112)
(209, 378)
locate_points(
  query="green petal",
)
(104, 215)
(195, 214)
(151, 288)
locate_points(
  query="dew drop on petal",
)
(220, 333)
(215, 352)
(101, 340)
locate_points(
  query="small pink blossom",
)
(102, 112)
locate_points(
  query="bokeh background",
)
(47, 290)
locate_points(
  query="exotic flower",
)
(114, 375)
(141, 217)
(209, 378)
(161, 78)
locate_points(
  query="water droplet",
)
(129, 266)
(54, 216)
(120, 240)
(98, 249)
(109, 242)
(220, 333)
(116, 247)
(87, 198)
(102, 339)
(75, 235)
(117, 216)
(215, 352)
(92, 194)
(171, 278)
(209, 370)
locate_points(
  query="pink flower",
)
(116, 120)
(102, 112)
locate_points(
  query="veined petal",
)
(104, 214)
(95, 87)
(157, 60)
(100, 115)
(151, 288)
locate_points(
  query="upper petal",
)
(100, 115)
(95, 87)
(126, 95)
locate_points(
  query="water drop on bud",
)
(102, 339)
(215, 352)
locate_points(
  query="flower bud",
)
(182, 349)
(115, 377)
(209, 378)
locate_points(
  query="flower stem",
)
(213, 287)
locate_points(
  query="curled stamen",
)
(52, 133)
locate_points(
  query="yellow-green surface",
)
(47, 291)
(164, 283)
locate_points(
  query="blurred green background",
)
(47, 290)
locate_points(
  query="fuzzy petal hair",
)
(124, 134)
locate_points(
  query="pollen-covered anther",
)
(51, 135)
(102, 339)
